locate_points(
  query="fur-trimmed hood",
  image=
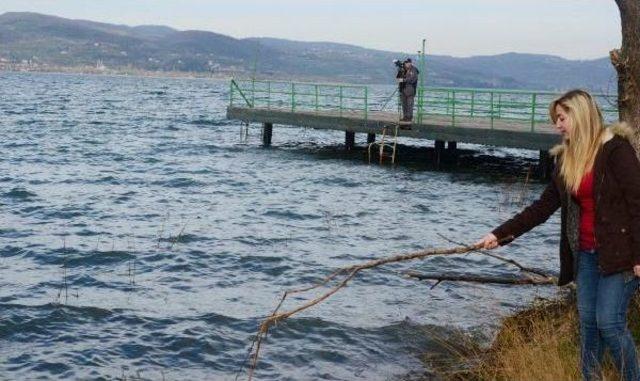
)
(621, 129)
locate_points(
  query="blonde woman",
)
(596, 184)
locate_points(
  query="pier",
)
(492, 117)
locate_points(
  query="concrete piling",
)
(371, 138)
(349, 139)
(267, 132)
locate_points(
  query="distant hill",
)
(43, 41)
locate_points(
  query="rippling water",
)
(140, 236)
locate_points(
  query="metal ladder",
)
(382, 144)
(389, 130)
(244, 133)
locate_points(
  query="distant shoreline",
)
(119, 72)
(133, 72)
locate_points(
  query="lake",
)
(141, 235)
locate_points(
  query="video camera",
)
(400, 67)
(400, 73)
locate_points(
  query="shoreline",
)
(140, 73)
(119, 73)
(539, 342)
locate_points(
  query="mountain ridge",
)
(38, 40)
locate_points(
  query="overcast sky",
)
(577, 29)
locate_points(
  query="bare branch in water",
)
(503, 259)
(342, 276)
(481, 279)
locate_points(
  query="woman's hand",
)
(490, 241)
(636, 270)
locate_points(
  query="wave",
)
(19, 194)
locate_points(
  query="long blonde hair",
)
(585, 136)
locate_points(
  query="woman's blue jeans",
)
(602, 309)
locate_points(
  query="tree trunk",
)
(626, 60)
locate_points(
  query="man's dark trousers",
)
(406, 98)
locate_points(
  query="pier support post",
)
(267, 132)
(452, 152)
(545, 165)
(349, 139)
(439, 151)
(371, 137)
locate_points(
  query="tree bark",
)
(626, 60)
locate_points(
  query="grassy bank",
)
(539, 343)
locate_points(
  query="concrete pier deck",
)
(477, 130)
(491, 117)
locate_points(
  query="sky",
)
(575, 29)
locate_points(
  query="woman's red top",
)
(587, 212)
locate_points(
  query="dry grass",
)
(540, 343)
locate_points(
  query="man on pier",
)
(408, 83)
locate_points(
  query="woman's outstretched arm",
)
(533, 215)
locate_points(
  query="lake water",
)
(140, 235)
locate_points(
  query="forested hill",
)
(41, 40)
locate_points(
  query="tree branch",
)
(480, 279)
(351, 271)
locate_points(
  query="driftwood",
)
(342, 277)
(537, 280)
(505, 260)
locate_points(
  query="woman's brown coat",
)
(617, 209)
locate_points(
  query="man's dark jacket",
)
(410, 84)
(617, 209)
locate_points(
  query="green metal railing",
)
(301, 96)
(531, 107)
(457, 105)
